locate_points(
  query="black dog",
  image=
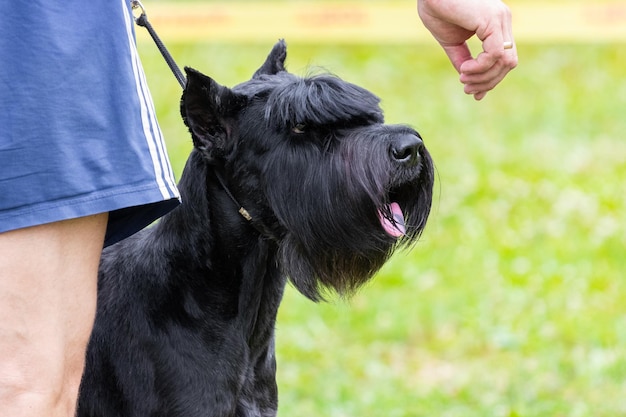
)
(290, 178)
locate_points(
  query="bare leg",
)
(48, 279)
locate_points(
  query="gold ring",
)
(508, 45)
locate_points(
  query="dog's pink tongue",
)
(395, 228)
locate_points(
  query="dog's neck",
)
(257, 223)
(208, 212)
(228, 248)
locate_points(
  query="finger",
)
(493, 37)
(481, 88)
(458, 54)
(496, 71)
(507, 26)
(492, 75)
(474, 89)
(478, 91)
(478, 85)
(485, 82)
(488, 69)
(480, 96)
(493, 51)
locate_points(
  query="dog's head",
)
(314, 164)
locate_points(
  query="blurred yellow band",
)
(369, 21)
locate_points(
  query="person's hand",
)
(453, 22)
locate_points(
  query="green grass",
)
(514, 301)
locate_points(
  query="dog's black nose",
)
(405, 148)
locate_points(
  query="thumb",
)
(458, 54)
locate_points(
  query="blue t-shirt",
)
(78, 132)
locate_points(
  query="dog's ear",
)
(208, 109)
(275, 61)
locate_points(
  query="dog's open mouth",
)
(392, 220)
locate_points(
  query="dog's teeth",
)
(395, 227)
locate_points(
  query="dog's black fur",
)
(186, 308)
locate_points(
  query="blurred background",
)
(514, 301)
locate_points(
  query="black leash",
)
(142, 21)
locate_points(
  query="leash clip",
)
(136, 4)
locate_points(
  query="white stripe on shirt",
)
(152, 132)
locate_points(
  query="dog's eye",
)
(299, 128)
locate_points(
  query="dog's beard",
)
(346, 214)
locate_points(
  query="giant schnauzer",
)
(290, 179)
